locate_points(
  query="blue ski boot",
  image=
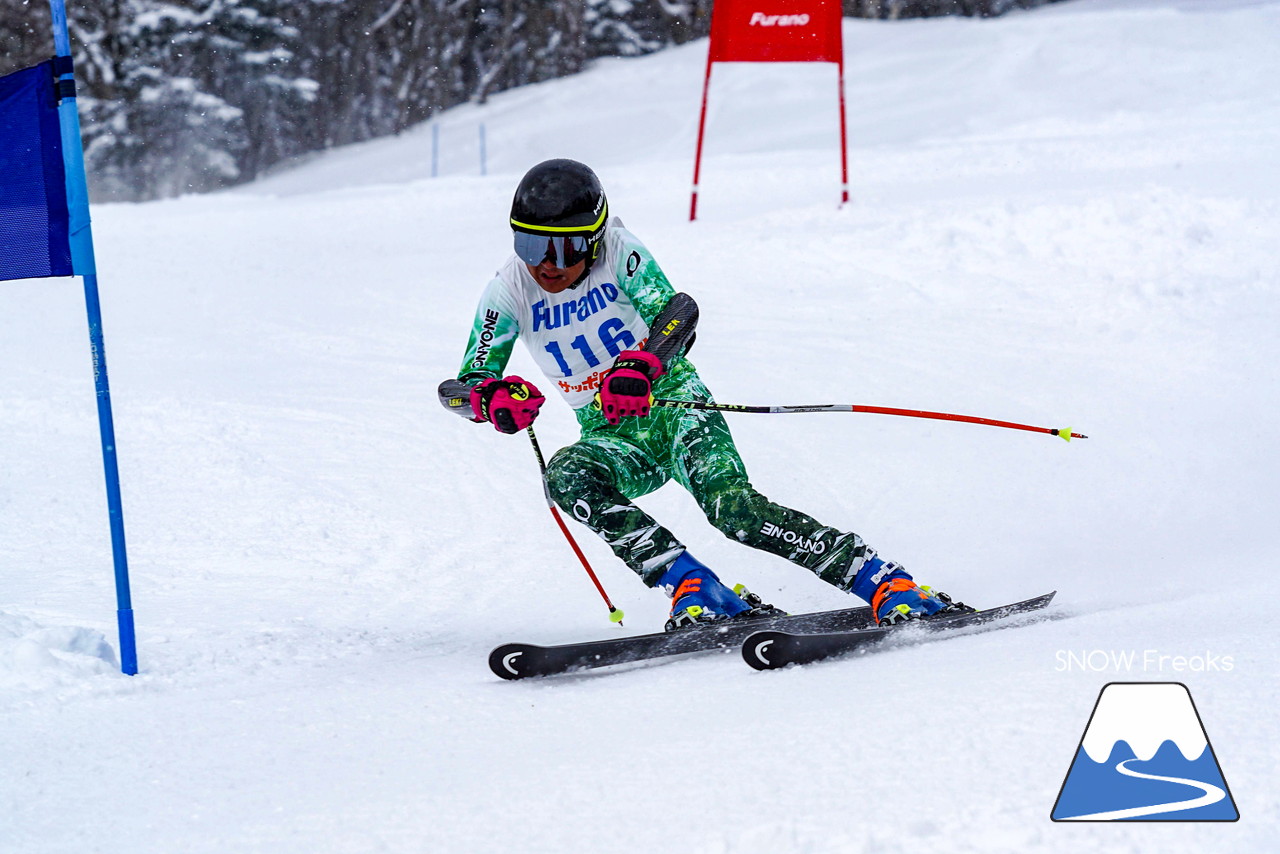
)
(697, 596)
(896, 598)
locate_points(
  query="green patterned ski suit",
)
(596, 478)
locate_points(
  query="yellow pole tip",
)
(1065, 433)
(615, 616)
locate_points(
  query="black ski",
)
(520, 660)
(772, 647)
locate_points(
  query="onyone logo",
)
(486, 338)
(760, 19)
(793, 539)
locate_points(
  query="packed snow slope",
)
(1067, 217)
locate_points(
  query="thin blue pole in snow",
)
(484, 166)
(82, 263)
(435, 150)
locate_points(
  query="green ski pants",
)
(595, 479)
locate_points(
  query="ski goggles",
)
(561, 250)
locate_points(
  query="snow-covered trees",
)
(189, 95)
(178, 96)
(635, 27)
(932, 8)
(185, 96)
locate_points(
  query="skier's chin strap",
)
(591, 260)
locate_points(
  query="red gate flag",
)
(774, 31)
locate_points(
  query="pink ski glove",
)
(509, 404)
(627, 388)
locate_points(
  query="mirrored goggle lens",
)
(560, 251)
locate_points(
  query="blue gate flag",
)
(34, 220)
(45, 231)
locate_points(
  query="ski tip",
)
(507, 661)
(757, 650)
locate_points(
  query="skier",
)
(609, 332)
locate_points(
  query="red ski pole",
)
(615, 615)
(1063, 432)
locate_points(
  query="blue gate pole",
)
(83, 265)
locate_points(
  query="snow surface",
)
(1065, 217)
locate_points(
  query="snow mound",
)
(40, 656)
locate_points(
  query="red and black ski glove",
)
(509, 404)
(627, 388)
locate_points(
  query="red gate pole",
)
(702, 126)
(844, 144)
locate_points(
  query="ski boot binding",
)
(698, 597)
(895, 597)
(901, 599)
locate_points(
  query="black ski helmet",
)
(560, 199)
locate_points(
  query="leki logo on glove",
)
(1145, 756)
